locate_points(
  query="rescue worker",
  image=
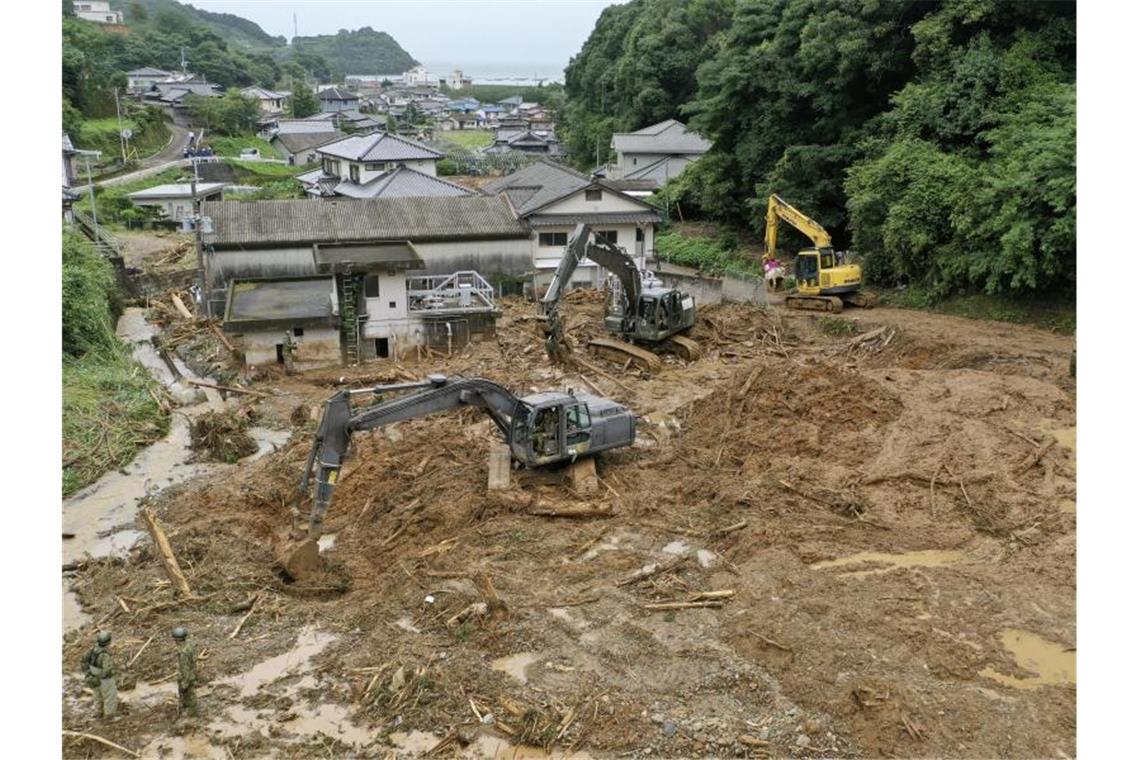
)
(187, 672)
(101, 676)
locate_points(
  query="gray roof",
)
(253, 304)
(148, 71)
(669, 136)
(344, 258)
(264, 94)
(295, 142)
(661, 170)
(379, 146)
(176, 191)
(267, 223)
(320, 117)
(307, 126)
(606, 217)
(538, 184)
(335, 93)
(402, 182)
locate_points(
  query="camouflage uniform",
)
(101, 677)
(188, 677)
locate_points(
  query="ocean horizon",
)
(516, 74)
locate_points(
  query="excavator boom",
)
(778, 209)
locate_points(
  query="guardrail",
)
(107, 244)
(460, 291)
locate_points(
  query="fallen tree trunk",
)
(169, 561)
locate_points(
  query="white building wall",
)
(631, 162)
(317, 347)
(610, 202)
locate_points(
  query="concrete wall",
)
(393, 290)
(713, 290)
(631, 162)
(318, 347)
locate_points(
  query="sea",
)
(515, 74)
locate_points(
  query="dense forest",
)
(363, 51)
(936, 138)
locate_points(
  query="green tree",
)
(303, 102)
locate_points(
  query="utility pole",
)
(294, 23)
(91, 186)
(204, 305)
(182, 53)
(122, 133)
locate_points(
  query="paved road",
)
(172, 151)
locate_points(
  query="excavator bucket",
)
(300, 559)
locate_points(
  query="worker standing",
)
(187, 672)
(101, 676)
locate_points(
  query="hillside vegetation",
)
(363, 51)
(936, 138)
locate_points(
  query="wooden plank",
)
(169, 561)
(178, 304)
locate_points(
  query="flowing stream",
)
(100, 518)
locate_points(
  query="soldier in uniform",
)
(100, 673)
(187, 672)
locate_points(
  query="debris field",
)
(841, 545)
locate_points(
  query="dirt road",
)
(871, 538)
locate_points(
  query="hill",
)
(171, 15)
(364, 51)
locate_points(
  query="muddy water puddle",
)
(1052, 663)
(310, 643)
(1066, 436)
(515, 665)
(921, 558)
(100, 517)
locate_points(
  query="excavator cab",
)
(554, 429)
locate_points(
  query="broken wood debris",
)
(654, 569)
(169, 562)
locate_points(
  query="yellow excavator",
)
(824, 282)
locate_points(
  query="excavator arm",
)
(779, 209)
(339, 421)
(610, 257)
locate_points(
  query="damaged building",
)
(355, 280)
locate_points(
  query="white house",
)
(141, 80)
(657, 153)
(176, 201)
(99, 12)
(362, 158)
(417, 76)
(553, 199)
(270, 102)
(456, 81)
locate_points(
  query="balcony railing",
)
(459, 291)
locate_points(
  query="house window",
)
(635, 162)
(391, 304)
(639, 236)
(593, 195)
(609, 236)
(372, 286)
(552, 239)
(298, 332)
(354, 173)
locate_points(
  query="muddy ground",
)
(893, 511)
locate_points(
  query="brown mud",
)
(894, 517)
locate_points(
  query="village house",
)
(553, 199)
(656, 153)
(525, 141)
(354, 166)
(141, 80)
(333, 99)
(174, 93)
(300, 147)
(354, 280)
(269, 102)
(460, 121)
(99, 12)
(511, 104)
(456, 80)
(418, 76)
(175, 202)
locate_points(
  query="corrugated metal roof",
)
(669, 136)
(342, 259)
(263, 223)
(305, 126)
(616, 217)
(379, 146)
(175, 191)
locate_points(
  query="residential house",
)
(552, 199)
(300, 148)
(99, 12)
(456, 80)
(490, 114)
(417, 76)
(511, 104)
(355, 121)
(174, 94)
(176, 201)
(525, 141)
(333, 99)
(141, 80)
(657, 153)
(463, 105)
(270, 102)
(457, 121)
(358, 279)
(377, 165)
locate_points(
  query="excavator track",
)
(861, 298)
(686, 348)
(619, 350)
(814, 303)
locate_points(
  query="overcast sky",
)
(483, 31)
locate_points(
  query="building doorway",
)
(381, 348)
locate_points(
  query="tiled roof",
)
(379, 146)
(402, 182)
(669, 136)
(252, 223)
(295, 142)
(335, 93)
(550, 182)
(612, 217)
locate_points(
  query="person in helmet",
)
(100, 675)
(187, 672)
